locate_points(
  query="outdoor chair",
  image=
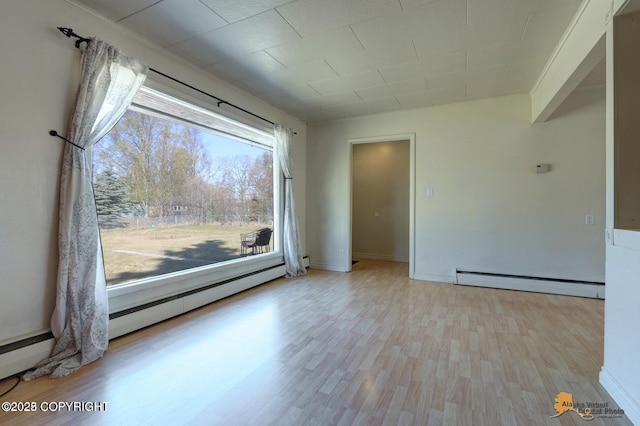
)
(258, 241)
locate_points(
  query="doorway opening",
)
(381, 200)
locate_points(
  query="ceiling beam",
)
(581, 48)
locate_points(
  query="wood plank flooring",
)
(368, 347)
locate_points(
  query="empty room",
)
(336, 212)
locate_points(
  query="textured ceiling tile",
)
(549, 22)
(302, 74)
(325, 115)
(317, 47)
(256, 86)
(200, 51)
(401, 88)
(415, 100)
(349, 82)
(172, 21)
(528, 70)
(490, 55)
(362, 10)
(261, 62)
(432, 97)
(258, 32)
(540, 5)
(431, 66)
(237, 10)
(286, 101)
(446, 81)
(350, 63)
(492, 21)
(497, 74)
(117, 9)
(248, 66)
(436, 28)
(374, 106)
(440, 43)
(407, 4)
(511, 86)
(438, 17)
(446, 96)
(231, 71)
(516, 50)
(377, 56)
(389, 54)
(326, 101)
(484, 89)
(301, 92)
(408, 71)
(311, 17)
(395, 25)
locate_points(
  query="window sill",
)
(131, 295)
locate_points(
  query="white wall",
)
(39, 73)
(380, 225)
(491, 211)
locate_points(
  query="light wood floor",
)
(368, 347)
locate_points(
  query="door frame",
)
(411, 137)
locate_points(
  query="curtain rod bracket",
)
(69, 33)
(56, 134)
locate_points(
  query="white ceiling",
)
(326, 59)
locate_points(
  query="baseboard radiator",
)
(25, 353)
(528, 283)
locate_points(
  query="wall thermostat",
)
(543, 168)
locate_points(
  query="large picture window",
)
(178, 187)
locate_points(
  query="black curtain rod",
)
(69, 33)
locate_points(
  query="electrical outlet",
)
(341, 253)
(589, 219)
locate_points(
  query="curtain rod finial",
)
(69, 33)
(66, 31)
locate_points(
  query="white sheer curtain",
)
(292, 247)
(80, 320)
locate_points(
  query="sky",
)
(216, 144)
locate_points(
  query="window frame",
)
(133, 294)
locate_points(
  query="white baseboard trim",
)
(385, 257)
(435, 278)
(550, 286)
(630, 406)
(327, 266)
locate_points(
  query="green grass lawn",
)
(131, 254)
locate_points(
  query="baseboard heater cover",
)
(561, 286)
(23, 354)
(188, 293)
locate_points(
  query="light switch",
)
(589, 219)
(430, 192)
